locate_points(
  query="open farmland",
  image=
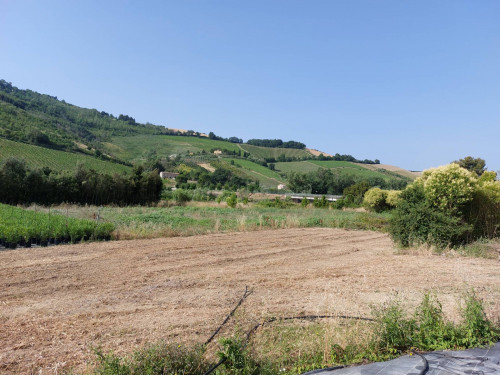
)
(135, 148)
(57, 303)
(266, 177)
(273, 152)
(343, 167)
(39, 157)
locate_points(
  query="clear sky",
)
(412, 83)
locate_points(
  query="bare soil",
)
(58, 302)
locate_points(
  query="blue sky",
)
(412, 83)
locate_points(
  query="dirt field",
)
(55, 303)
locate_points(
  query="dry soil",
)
(58, 302)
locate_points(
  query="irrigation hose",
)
(274, 319)
(426, 363)
(245, 295)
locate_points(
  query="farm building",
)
(281, 187)
(310, 197)
(169, 175)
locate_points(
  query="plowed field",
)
(56, 303)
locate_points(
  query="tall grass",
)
(196, 218)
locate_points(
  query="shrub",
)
(449, 187)
(415, 222)
(428, 329)
(232, 200)
(393, 198)
(476, 329)
(181, 196)
(304, 202)
(484, 211)
(374, 200)
(447, 206)
(320, 203)
(393, 332)
(353, 195)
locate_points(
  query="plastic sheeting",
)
(465, 362)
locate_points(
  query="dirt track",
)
(57, 302)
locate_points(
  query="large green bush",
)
(375, 199)
(447, 206)
(449, 188)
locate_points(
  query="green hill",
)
(342, 167)
(272, 152)
(137, 148)
(43, 126)
(39, 157)
(268, 179)
(28, 116)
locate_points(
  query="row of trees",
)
(212, 135)
(276, 143)
(22, 185)
(326, 181)
(221, 178)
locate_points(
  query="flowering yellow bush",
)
(447, 206)
(393, 198)
(449, 187)
(374, 199)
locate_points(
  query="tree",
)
(476, 165)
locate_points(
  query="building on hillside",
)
(281, 187)
(169, 175)
(217, 152)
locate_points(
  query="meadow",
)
(266, 177)
(40, 157)
(272, 152)
(342, 167)
(135, 148)
(135, 222)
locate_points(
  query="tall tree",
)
(476, 165)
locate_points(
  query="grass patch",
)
(483, 248)
(209, 217)
(274, 152)
(39, 157)
(135, 148)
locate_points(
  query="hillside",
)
(39, 157)
(28, 116)
(40, 127)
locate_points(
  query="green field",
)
(201, 218)
(268, 152)
(39, 157)
(266, 177)
(18, 226)
(342, 167)
(137, 148)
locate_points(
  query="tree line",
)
(276, 143)
(22, 185)
(326, 181)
